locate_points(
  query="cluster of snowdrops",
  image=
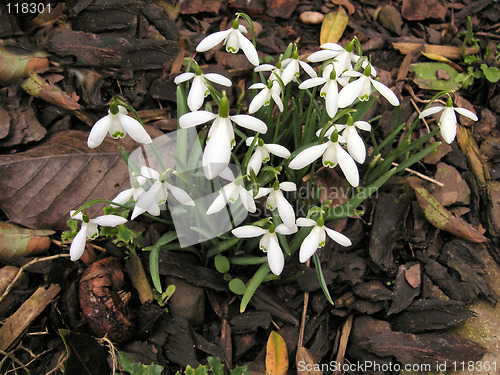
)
(282, 137)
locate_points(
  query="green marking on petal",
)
(118, 134)
(328, 163)
(321, 244)
(364, 98)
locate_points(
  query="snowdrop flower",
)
(292, 68)
(317, 238)
(220, 138)
(199, 89)
(355, 145)
(133, 193)
(117, 124)
(448, 120)
(233, 40)
(276, 199)
(90, 230)
(151, 200)
(261, 154)
(333, 154)
(343, 57)
(330, 89)
(362, 89)
(230, 193)
(268, 243)
(263, 98)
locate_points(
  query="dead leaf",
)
(16, 241)
(38, 87)
(441, 218)
(412, 275)
(306, 363)
(17, 63)
(450, 52)
(455, 189)
(333, 26)
(276, 355)
(470, 149)
(281, 8)
(390, 18)
(435, 57)
(418, 10)
(39, 187)
(346, 3)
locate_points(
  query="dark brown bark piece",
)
(180, 346)
(373, 290)
(104, 20)
(430, 314)
(250, 321)
(404, 293)
(387, 225)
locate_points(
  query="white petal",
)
(195, 118)
(257, 86)
(248, 49)
(321, 56)
(109, 220)
(135, 129)
(285, 230)
(275, 256)
(332, 96)
(264, 68)
(78, 216)
(259, 100)
(466, 113)
(310, 245)
(250, 122)
(355, 145)
(247, 200)
(338, 237)
(307, 156)
(123, 197)
(263, 192)
(183, 77)
(348, 166)
(180, 195)
(385, 91)
(255, 162)
(217, 153)
(333, 47)
(218, 78)
(78, 244)
(363, 125)
(448, 124)
(305, 222)
(149, 173)
(288, 186)
(248, 231)
(290, 71)
(350, 92)
(218, 204)
(212, 40)
(196, 94)
(311, 82)
(146, 200)
(98, 132)
(276, 97)
(308, 69)
(431, 111)
(285, 210)
(277, 150)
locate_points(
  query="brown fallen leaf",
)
(450, 52)
(345, 3)
(412, 275)
(39, 187)
(441, 218)
(16, 241)
(17, 63)
(333, 26)
(390, 18)
(306, 364)
(276, 355)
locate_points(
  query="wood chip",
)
(449, 52)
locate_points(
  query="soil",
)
(409, 291)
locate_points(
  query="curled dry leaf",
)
(17, 63)
(16, 241)
(102, 307)
(441, 218)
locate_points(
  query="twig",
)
(23, 268)
(344, 338)
(304, 314)
(112, 352)
(423, 119)
(422, 176)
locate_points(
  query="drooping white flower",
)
(343, 58)
(355, 145)
(233, 39)
(230, 193)
(261, 153)
(276, 199)
(89, 229)
(317, 238)
(268, 243)
(133, 193)
(292, 67)
(263, 98)
(151, 200)
(448, 120)
(117, 124)
(220, 140)
(199, 89)
(361, 88)
(330, 89)
(333, 154)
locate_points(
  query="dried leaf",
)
(435, 57)
(345, 3)
(16, 241)
(276, 355)
(441, 218)
(450, 52)
(333, 26)
(17, 63)
(60, 175)
(306, 363)
(390, 18)
(412, 276)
